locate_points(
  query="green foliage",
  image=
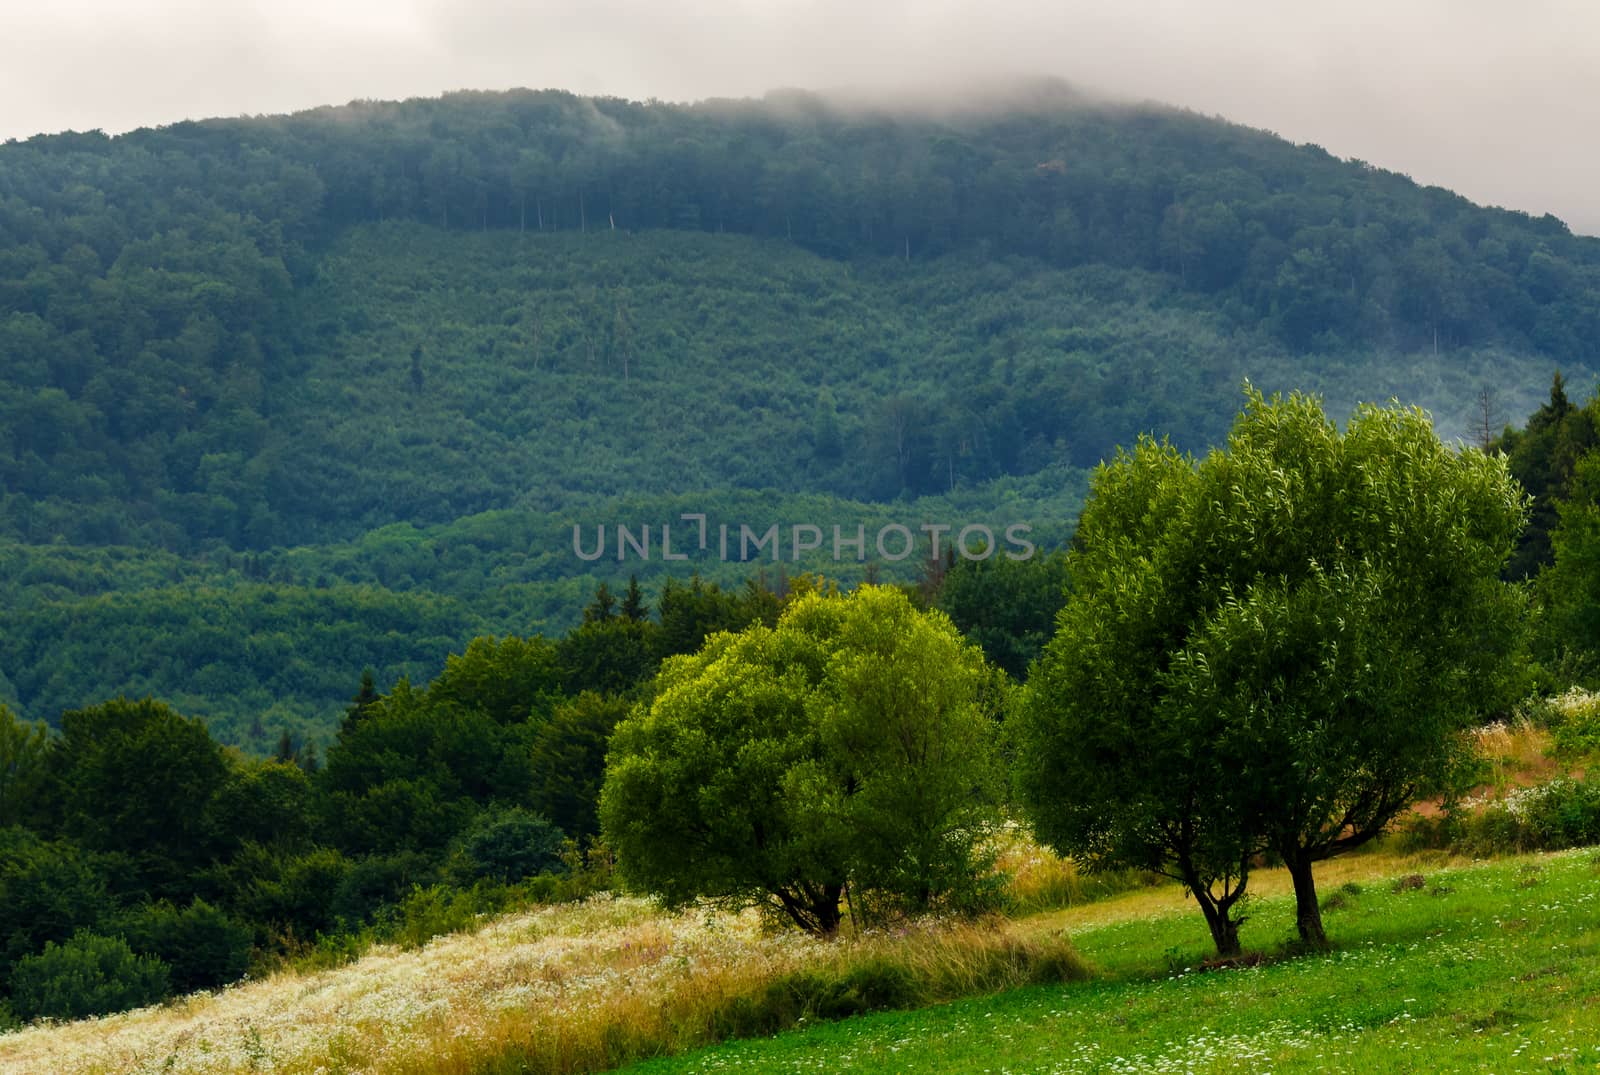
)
(429, 911)
(374, 882)
(1274, 648)
(569, 760)
(247, 656)
(283, 893)
(414, 771)
(22, 767)
(1576, 724)
(87, 975)
(508, 844)
(164, 293)
(842, 747)
(1008, 607)
(201, 946)
(267, 803)
(1569, 589)
(139, 779)
(510, 679)
(48, 891)
(1559, 814)
(1544, 457)
(432, 911)
(608, 655)
(932, 305)
(284, 655)
(1556, 814)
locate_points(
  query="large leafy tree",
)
(511, 679)
(845, 747)
(138, 778)
(1111, 770)
(1273, 648)
(416, 770)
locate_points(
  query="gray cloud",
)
(1497, 101)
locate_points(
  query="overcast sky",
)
(1498, 100)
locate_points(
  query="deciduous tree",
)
(844, 747)
(1274, 648)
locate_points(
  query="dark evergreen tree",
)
(634, 608)
(361, 704)
(602, 608)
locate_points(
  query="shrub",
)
(1576, 722)
(438, 909)
(331, 950)
(88, 975)
(202, 946)
(48, 891)
(281, 891)
(876, 983)
(1561, 813)
(1558, 814)
(378, 881)
(507, 844)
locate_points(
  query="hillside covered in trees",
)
(282, 398)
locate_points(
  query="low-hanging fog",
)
(1496, 101)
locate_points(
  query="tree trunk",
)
(1308, 913)
(827, 910)
(1218, 911)
(1224, 930)
(814, 908)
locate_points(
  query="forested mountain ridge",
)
(303, 354)
(154, 288)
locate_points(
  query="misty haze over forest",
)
(1487, 100)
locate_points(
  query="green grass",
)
(1489, 967)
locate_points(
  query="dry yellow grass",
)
(1040, 880)
(572, 988)
(1518, 753)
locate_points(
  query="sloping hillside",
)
(383, 356)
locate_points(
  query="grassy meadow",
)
(1439, 963)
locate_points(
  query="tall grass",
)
(1039, 880)
(926, 965)
(575, 988)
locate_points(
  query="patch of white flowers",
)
(552, 963)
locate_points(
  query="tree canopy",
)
(843, 748)
(1274, 648)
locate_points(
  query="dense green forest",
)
(284, 398)
(139, 856)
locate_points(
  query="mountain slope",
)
(153, 287)
(390, 353)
